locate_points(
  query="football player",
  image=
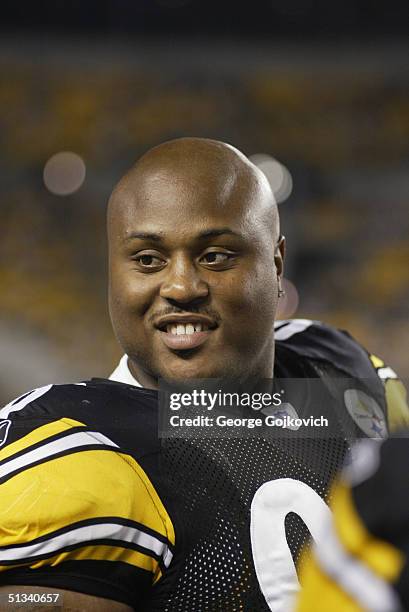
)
(361, 563)
(93, 505)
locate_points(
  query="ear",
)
(279, 255)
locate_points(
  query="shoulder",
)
(71, 490)
(97, 403)
(319, 343)
(316, 340)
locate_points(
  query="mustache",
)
(210, 312)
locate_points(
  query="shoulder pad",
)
(98, 404)
(73, 393)
(316, 340)
(71, 495)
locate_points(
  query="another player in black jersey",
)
(362, 561)
(93, 502)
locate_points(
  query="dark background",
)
(305, 19)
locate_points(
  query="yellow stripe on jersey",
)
(396, 401)
(376, 362)
(166, 529)
(38, 435)
(321, 593)
(94, 553)
(383, 558)
(395, 392)
(79, 486)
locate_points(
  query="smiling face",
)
(194, 264)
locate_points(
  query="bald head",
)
(204, 166)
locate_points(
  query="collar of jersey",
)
(123, 374)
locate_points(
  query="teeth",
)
(177, 329)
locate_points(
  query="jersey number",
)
(273, 561)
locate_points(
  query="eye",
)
(217, 259)
(149, 261)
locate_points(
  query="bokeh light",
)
(288, 303)
(64, 173)
(277, 175)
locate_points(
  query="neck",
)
(146, 380)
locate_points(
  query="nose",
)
(183, 283)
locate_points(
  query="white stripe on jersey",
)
(385, 373)
(82, 535)
(19, 404)
(294, 326)
(49, 449)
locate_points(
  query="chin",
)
(180, 375)
(186, 371)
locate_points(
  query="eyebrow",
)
(210, 233)
(144, 236)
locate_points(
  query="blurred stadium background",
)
(317, 92)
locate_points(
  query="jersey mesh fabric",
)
(216, 480)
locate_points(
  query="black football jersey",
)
(92, 500)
